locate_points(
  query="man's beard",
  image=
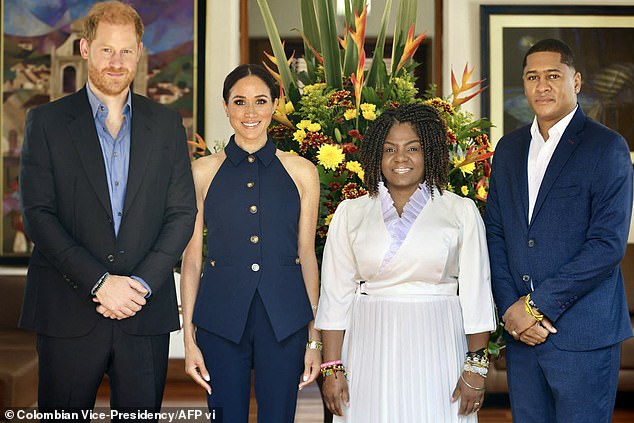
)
(109, 85)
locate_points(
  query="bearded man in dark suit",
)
(108, 200)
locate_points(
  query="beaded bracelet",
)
(330, 363)
(528, 306)
(482, 371)
(333, 369)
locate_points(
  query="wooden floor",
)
(309, 408)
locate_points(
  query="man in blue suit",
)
(557, 221)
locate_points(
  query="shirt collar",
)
(557, 129)
(95, 103)
(237, 155)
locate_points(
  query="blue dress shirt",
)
(116, 157)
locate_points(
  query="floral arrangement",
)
(324, 112)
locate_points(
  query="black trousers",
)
(71, 369)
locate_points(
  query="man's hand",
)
(516, 319)
(538, 333)
(120, 297)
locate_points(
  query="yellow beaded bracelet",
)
(529, 309)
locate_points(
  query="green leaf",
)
(310, 28)
(375, 73)
(276, 44)
(350, 59)
(405, 17)
(329, 43)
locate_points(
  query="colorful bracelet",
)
(330, 363)
(529, 309)
(333, 369)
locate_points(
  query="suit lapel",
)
(567, 145)
(141, 142)
(86, 141)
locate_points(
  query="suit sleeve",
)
(39, 206)
(504, 290)
(606, 235)
(178, 216)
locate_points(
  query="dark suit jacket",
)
(576, 238)
(68, 216)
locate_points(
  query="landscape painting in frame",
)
(602, 40)
(41, 62)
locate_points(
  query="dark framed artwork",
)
(601, 38)
(41, 62)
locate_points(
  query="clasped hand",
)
(523, 327)
(120, 297)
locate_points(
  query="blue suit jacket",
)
(577, 236)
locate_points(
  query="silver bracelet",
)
(471, 386)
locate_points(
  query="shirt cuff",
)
(142, 282)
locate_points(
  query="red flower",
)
(334, 186)
(352, 190)
(350, 148)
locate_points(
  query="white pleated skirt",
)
(404, 356)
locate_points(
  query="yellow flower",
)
(314, 87)
(354, 166)
(299, 135)
(450, 187)
(328, 219)
(482, 192)
(292, 152)
(314, 127)
(369, 115)
(368, 107)
(467, 168)
(464, 190)
(330, 156)
(350, 114)
(303, 124)
(289, 108)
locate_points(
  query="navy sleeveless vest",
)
(252, 213)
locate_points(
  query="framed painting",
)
(601, 38)
(41, 62)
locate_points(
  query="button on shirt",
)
(116, 157)
(116, 153)
(539, 154)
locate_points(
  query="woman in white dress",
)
(406, 305)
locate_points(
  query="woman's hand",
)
(195, 366)
(312, 361)
(470, 399)
(335, 392)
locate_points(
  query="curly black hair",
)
(431, 130)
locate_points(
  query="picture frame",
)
(601, 38)
(40, 62)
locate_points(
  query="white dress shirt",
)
(539, 154)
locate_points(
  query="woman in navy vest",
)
(253, 306)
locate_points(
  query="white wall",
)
(223, 54)
(287, 16)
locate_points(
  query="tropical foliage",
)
(325, 110)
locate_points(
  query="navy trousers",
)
(277, 367)
(71, 369)
(549, 385)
